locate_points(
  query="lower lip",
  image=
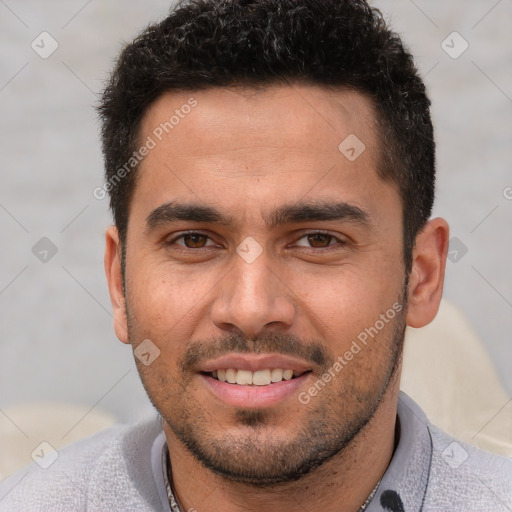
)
(254, 396)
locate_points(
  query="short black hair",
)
(337, 44)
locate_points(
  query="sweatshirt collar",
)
(404, 484)
(402, 487)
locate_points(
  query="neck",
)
(341, 484)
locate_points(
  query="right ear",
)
(113, 272)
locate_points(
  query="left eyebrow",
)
(299, 212)
(317, 211)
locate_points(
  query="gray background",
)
(57, 340)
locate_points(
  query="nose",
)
(253, 297)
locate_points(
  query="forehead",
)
(222, 145)
(305, 116)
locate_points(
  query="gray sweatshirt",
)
(120, 469)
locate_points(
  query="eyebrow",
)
(287, 214)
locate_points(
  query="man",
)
(270, 165)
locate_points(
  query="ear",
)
(427, 273)
(115, 283)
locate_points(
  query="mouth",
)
(255, 389)
(255, 380)
(264, 377)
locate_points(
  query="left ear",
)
(427, 274)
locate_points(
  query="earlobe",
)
(113, 273)
(427, 273)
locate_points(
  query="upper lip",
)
(254, 362)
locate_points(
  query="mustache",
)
(274, 343)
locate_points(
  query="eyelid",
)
(185, 233)
(340, 241)
(303, 234)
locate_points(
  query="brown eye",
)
(321, 243)
(194, 240)
(319, 240)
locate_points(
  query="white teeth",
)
(231, 375)
(244, 377)
(261, 377)
(277, 375)
(257, 378)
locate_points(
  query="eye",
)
(192, 240)
(319, 240)
(314, 240)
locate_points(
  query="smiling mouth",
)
(256, 378)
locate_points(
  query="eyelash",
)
(315, 249)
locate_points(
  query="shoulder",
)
(468, 477)
(91, 474)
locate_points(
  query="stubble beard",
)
(254, 454)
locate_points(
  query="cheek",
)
(162, 299)
(347, 302)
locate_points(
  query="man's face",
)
(257, 287)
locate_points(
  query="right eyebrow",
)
(173, 211)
